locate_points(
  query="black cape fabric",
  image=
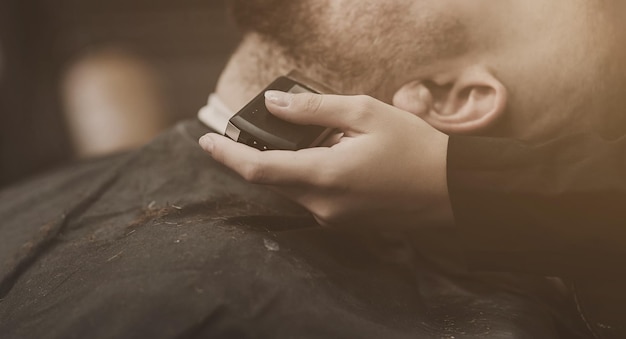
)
(558, 208)
(166, 243)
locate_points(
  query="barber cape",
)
(164, 242)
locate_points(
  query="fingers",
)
(347, 113)
(268, 167)
(332, 139)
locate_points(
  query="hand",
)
(387, 169)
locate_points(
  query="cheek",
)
(363, 42)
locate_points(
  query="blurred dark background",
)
(185, 42)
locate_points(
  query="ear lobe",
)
(470, 103)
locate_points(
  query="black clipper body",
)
(256, 127)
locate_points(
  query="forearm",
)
(559, 207)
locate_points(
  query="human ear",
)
(465, 103)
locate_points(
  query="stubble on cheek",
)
(287, 22)
(357, 47)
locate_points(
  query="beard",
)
(352, 46)
(289, 36)
(287, 22)
(299, 35)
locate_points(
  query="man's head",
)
(529, 69)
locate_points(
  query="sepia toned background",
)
(158, 59)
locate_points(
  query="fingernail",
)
(206, 143)
(278, 98)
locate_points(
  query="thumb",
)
(346, 113)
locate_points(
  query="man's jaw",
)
(253, 66)
(259, 60)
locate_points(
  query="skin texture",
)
(326, 181)
(531, 70)
(375, 45)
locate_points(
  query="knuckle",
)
(321, 221)
(363, 107)
(325, 213)
(312, 102)
(254, 172)
(363, 102)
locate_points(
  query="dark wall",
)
(187, 41)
